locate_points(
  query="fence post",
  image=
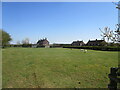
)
(113, 76)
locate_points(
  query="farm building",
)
(95, 42)
(78, 43)
(43, 43)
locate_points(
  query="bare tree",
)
(117, 33)
(25, 41)
(110, 35)
(18, 42)
(106, 34)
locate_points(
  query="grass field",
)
(56, 68)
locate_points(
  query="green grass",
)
(56, 68)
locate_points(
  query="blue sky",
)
(60, 22)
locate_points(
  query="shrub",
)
(103, 48)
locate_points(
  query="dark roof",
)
(77, 41)
(96, 40)
(42, 40)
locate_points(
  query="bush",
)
(27, 45)
(103, 48)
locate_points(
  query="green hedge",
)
(103, 48)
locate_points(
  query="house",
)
(43, 43)
(95, 42)
(78, 43)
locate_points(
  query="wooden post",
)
(113, 77)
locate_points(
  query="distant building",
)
(78, 43)
(43, 43)
(95, 42)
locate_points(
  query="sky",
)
(59, 22)
(60, 0)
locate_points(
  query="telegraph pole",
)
(118, 7)
(115, 72)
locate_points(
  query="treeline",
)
(111, 47)
(37, 46)
(59, 45)
(18, 45)
(103, 48)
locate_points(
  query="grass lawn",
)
(56, 68)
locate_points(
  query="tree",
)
(110, 35)
(5, 38)
(116, 35)
(25, 41)
(106, 34)
(18, 42)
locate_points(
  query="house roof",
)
(42, 40)
(94, 41)
(77, 42)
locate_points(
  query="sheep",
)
(83, 50)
